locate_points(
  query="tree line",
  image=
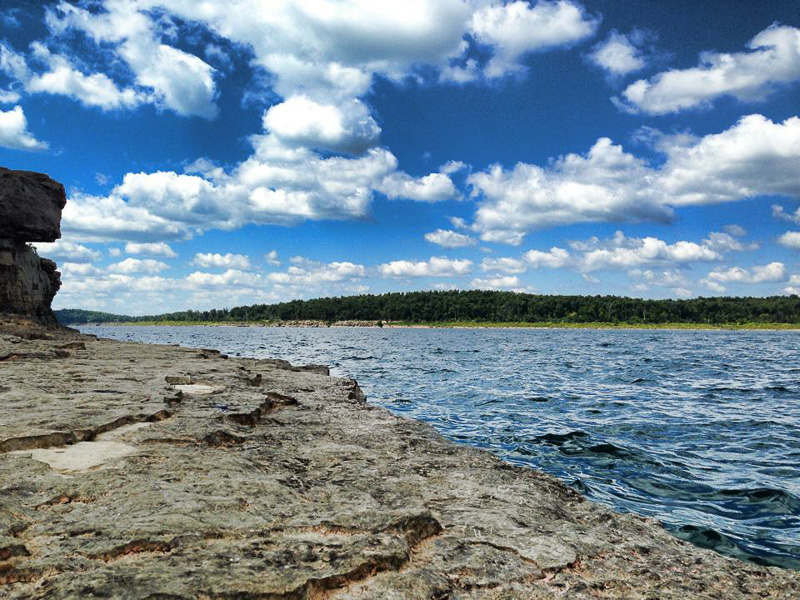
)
(484, 306)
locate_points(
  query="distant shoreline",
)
(458, 325)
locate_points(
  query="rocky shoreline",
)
(134, 471)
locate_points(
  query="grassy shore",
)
(477, 325)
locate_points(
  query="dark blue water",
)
(700, 429)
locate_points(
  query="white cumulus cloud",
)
(453, 166)
(150, 249)
(318, 59)
(671, 278)
(515, 29)
(9, 97)
(790, 239)
(793, 289)
(735, 230)
(180, 81)
(232, 278)
(59, 76)
(70, 270)
(607, 184)
(276, 185)
(305, 272)
(770, 273)
(625, 253)
(726, 242)
(619, 253)
(169, 77)
(780, 213)
(555, 258)
(618, 55)
(508, 265)
(99, 219)
(14, 132)
(772, 59)
(754, 157)
(503, 282)
(450, 239)
(271, 258)
(435, 187)
(301, 121)
(227, 261)
(328, 51)
(69, 251)
(436, 266)
(136, 265)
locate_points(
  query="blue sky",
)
(243, 151)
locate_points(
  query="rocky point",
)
(30, 211)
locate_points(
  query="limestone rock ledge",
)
(132, 471)
(28, 283)
(30, 211)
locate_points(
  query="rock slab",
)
(143, 472)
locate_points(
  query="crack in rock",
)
(45, 440)
(222, 439)
(9, 575)
(273, 401)
(510, 549)
(13, 551)
(61, 500)
(414, 529)
(132, 548)
(68, 438)
(57, 353)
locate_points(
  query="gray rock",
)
(114, 485)
(30, 211)
(30, 206)
(27, 283)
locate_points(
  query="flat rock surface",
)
(30, 206)
(132, 471)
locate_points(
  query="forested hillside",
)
(486, 306)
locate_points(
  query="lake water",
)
(700, 429)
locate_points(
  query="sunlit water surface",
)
(700, 429)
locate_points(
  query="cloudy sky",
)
(229, 152)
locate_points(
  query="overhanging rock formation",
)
(30, 211)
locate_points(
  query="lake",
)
(700, 429)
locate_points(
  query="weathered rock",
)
(28, 283)
(30, 211)
(109, 487)
(30, 206)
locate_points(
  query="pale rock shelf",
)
(159, 472)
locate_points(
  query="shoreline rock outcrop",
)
(148, 471)
(30, 211)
